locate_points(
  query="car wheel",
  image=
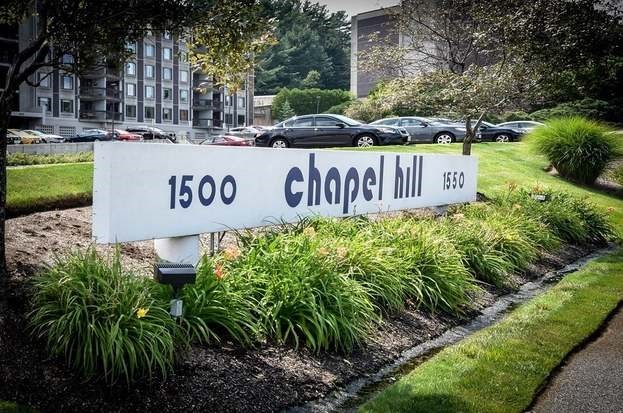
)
(43, 141)
(279, 143)
(444, 138)
(365, 141)
(502, 138)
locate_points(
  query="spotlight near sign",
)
(172, 193)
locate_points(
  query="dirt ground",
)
(226, 378)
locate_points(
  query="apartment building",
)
(155, 88)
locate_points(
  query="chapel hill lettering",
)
(344, 186)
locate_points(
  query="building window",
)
(167, 73)
(130, 111)
(167, 93)
(183, 76)
(149, 92)
(41, 102)
(131, 47)
(130, 89)
(167, 35)
(67, 82)
(228, 100)
(229, 119)
(149, 112)
(130, 68)
(183, 115)
(149, 71)
(67, 106)
(167, 114)
(184, 57)
(43, 79)
(241, 102)
(167, 53)
(150, 50)
(183, 96)
(67, 59)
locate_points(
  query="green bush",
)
(339, 109)
(589, 108)
(23, 159)
(578, 148)
(306, 101)
(105, 322)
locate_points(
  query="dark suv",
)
(325, 130)
(149, 132)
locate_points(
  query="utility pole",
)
(317, 104)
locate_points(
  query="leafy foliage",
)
(578, 148)
(306, 101)
(589, 108)
(105, 322)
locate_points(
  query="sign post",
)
(171, 193)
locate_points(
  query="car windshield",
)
(347, 120)
(34, 132)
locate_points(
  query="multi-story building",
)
(156, 88)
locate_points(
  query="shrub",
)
(102, 320)
(22, 159)
(589, 108)
(306, 101)
(339, 109)
(578, 148)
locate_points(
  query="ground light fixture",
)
(176, 275)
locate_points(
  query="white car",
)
(247, 132)
(46, 137)
(523, 126)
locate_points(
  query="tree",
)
(312, 80)
(486, 49)
(310, 38)
(78, 36)
(286, 111)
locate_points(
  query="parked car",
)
(325, 130)
(150, 132)
(489, 132)
(524, 126)
(91, 135)
(124, 135)
(425, 130)
(12, 138)
(248, 132)
(46, 137)
(228, 140)
(25, 137)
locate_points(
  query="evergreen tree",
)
(286, 111)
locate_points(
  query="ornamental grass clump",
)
(300, 297)
(578, 148)
(105, 322)
(214, 310)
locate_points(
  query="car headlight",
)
(387, 130)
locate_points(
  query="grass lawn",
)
(43, 188)
(499, 368)
(501, 164)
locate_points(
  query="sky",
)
(353, 7)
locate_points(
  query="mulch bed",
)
(226, 378)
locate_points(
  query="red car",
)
(228, 140)
(124, 135)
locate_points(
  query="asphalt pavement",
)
(592, 379)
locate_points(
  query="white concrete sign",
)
(154, 191)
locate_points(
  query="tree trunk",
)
(469, 138)
(5, 114)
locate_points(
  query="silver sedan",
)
(425, 130)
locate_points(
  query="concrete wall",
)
(50, 148)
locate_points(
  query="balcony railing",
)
(202, 104)
(98, 93)
(99, 115)
(202, 123)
